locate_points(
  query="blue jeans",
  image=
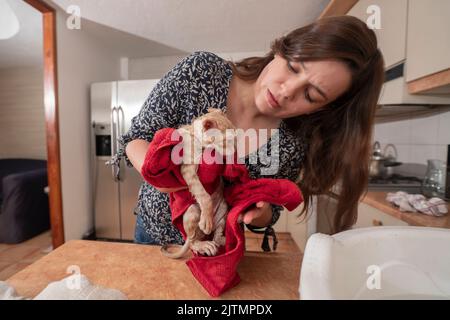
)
(140, 235)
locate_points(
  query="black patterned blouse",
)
(198, 82)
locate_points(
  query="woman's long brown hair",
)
(338, 136)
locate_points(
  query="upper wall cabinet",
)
(393, 22)
(428, 46)
(417, 32)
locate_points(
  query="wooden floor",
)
(15, 257)
(253, 242)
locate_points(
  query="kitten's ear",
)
(214, 110)
(209, 124)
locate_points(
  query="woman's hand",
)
(259, 215)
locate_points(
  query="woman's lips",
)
(271, 100)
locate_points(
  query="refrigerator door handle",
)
(119, 132)
(121, 117)
(114, 167)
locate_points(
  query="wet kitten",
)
(209, 213)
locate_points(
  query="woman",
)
(319, 86)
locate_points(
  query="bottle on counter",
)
(447, 181)
(433, 184)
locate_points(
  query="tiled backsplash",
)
(417, 138)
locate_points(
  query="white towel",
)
(418, 203)
(74, 287)
(8, 293)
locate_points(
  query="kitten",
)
(209, 213)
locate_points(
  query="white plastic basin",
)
(377, 263)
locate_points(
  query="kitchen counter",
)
(141, 272)
(377, 199)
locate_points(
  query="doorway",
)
(51, 119)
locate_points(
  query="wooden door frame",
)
(337, 8)
(51, 119)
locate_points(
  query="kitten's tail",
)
(177, 254)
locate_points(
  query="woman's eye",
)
(291, 68)
(308, 97)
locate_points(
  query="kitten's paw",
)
(206, 224)
(208, 248)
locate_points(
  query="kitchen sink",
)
(377, 263)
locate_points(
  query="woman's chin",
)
(266, 110)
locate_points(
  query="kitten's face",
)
(211, 130)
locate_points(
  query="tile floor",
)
(15, 257)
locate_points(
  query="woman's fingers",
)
(260, 204)
(250, 215)
(253, 213)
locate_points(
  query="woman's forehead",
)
(331, 75)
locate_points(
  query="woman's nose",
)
(292, 87)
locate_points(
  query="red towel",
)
(218, 273)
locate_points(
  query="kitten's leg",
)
(206, 223)
(191, 219)
(220, 222)
(190, 224)
(198, 246)
(219, 236)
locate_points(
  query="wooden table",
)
(141, 272)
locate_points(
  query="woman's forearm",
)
(136, 151)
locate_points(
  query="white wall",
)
(152, 67)
(81, 60)
(156, 67)
(22, 120)
(417, 138)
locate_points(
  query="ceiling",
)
(25, 48)
(144, 28)
(215, 25)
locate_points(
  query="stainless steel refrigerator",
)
(113, 105)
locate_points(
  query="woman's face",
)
(287, 89)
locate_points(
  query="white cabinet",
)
(428, 38)
(369, 216)
(326, 211)
(415, 32)
(297, 227)
(392, 34)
